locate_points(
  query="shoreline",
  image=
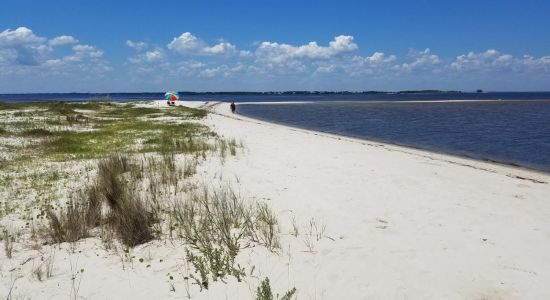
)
(487, 164)
(392, 101)
(403, 223)
(410, 147)
(272, 102)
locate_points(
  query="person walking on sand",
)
(233, 107)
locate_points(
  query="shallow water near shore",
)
(513, 132)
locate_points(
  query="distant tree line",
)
(316, 92)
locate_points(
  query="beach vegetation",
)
(264, 292)
(223, 146)
(217, 224)
(215, 263)
(61, 107)
(313, 233)
(232, 144)
(9, 240)
(128, 215)
(131, 112)
(66, 225)
(189, 113)
(6, 106)
(90, 130)
(121, 137)
(295, 229)
(5, 207)
(289, 294)
(37, 132)
(134, 171)
(45, 269)
(190, 167)
(266, 227)
(38, 273)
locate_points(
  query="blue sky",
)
(134, 46)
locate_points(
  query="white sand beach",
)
(371, 221)
(404, 223)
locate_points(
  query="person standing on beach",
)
(233, 107)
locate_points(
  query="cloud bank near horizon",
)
(33, 63)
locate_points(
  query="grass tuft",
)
(62, 108)
(37, 132)
(67, 225)
(129, 216)
(180, 111)
(266, 225)
(9, 239)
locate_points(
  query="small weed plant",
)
(264, 292)
(9, 240)
(217, 224)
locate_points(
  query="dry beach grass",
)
(121, 174)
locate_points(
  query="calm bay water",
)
(515, 130)
(240, 97)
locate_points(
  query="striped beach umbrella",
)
(171, 96)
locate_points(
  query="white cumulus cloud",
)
(21, 46)
(357, 65)
(21, 35)
(83, 54)
(221, 71)
(185, 43)
(278, 53)
(88, 51)
(31, 58)
(494, 60)
(221, 48)
(136, 44)
(422, 61)
(62, 40)
(536, 63)
(375, 58)
(154, 56)
(484, 61)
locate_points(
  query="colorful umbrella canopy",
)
(171, 96)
